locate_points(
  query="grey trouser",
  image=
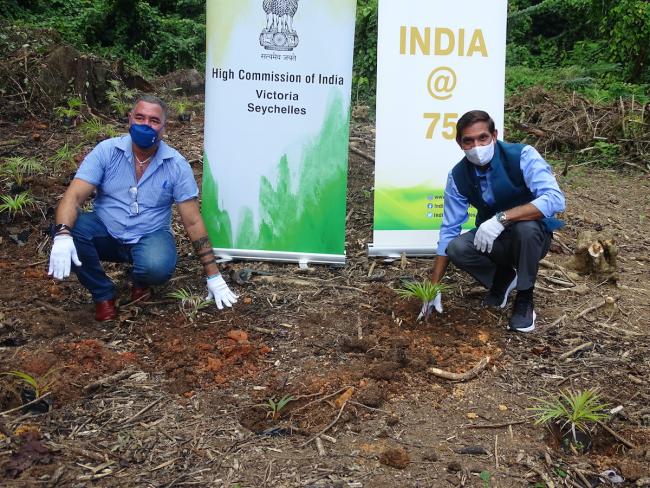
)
(521, 246)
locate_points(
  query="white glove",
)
(427, 307)
(63, 252)
(487, 233)
(219, 291)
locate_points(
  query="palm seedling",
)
(573, 412)
(95, 129)
(15, 204)
(424, 290)
(70, 111)
(18, 167)
(120, 98)
(275, 408)
(64, 155)
(189, 304)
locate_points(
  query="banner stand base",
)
(396, 252)
(300, 258)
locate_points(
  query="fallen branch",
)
(36, 400)
(609, 301)
(617, 436)
(143, 411)
(496, 426)
(581, 347)
(468, 375)
(329, 426)
(107, 380)
(364, 155)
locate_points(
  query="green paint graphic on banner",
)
(415, 208)
(309, 218)
(216, 220)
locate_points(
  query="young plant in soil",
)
(95, 130)
(572, 416)
(18, 167)
(189, 304)
(424, 290)
(275, 408)
(35, 387)
(120, 98)
(69, 113)
(64, 156)
(17, 204)
(181, 108)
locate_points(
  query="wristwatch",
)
(502, 218)
(60, 227)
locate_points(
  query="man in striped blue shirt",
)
(137, 178)
(516, 197)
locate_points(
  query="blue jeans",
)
(153, 258)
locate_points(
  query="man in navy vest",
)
(516, 196)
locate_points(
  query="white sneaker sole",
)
(530, 328)
(511, 286)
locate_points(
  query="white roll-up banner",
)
(436, 61)
(277, 105)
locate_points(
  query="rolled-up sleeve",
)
(539, 178)
(455, 214)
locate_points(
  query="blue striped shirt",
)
(129, 214)
(538, 176)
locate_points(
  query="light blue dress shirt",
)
(131, 209)
(539, 179)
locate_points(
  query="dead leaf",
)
(345, 396)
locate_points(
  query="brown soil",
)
(193, 410)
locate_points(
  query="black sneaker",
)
(504, 282)
(523, 315)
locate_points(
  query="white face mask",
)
(480, 155)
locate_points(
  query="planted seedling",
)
(189, 304)
(424, 290)
(35, 387)
(95, 130)
(120, 98)
(181, 107)
(17, 204)
(64, 156)
(70, 112)
(573, 415)
(275, 408)
(18, 167)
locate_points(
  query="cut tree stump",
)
(594, 254)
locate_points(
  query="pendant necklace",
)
(142, 163)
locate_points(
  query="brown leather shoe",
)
(105, 310)
(137, 293)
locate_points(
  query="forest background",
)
(599, 48)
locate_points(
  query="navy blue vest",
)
(506, 180)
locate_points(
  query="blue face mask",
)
(143, 136)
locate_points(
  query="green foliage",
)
(364, 72)
(64, 156)
(574, 409)
(181, 106)
(120, 98)
(275, 408)
(189, 304)
(424, 290)
(18, 167)
(16, 204)
(485, 478)
(95, 129)
(71, 110)
(40, 384)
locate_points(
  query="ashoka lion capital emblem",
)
(278, 35)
